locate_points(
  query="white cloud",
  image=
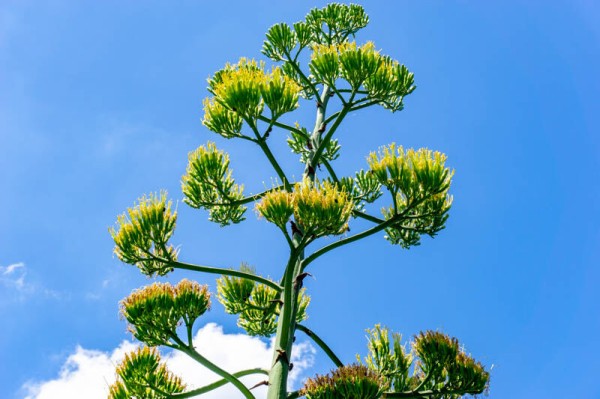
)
(88, 373)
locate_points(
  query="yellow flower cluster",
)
(277, 207)
(155, 311)
(241, 91)
(143, 233)
(346, 60)
(413, 172)
(320, 209)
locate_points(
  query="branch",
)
(429, 393)
(280, 125)
(330, 170)
(293, 395)
(319, 151)
(242, 201)
(220, 271)
(301, 74)
(191, 352)
(267, 151)
(368, 217)
(217, 384)
(349, 240)
(321, 343)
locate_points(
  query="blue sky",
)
(100, 102)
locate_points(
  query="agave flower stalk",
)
(246, 103)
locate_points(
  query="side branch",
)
(347, 240)
(221, 271)
(261, 141)
(191, 352)
(217, 384)
(319, 151)
(429, 393)
(321, 343)
(243, 201)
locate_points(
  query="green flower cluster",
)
(142, 235)
(208, 184)
(142, 375)
(390, 360)
(256, 304)
(435, 365)
(154, 312)
(445, 367)
(347, 382)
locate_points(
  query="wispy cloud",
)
(13, 276)
(88, 373)
(14, 280)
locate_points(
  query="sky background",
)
(100, 102)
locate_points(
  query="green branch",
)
(319, 151)
(321, 344)
(294, 395)
(368, 217)
(429, 393)
(261, 141)
(220, 271)
(330, 170)
(348, 240)
(217, 384)
(191, 352)
(279, 125)
(301, 74)
(242, 201)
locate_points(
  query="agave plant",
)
(246, 102)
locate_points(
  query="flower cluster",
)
(347, 382)
(389, 359)
(320, 208)
(418, 181)
(241, 91)
(208, 184)
(446, 367)
(142, 235)
(155, 311)
(142, 375)
(256, 304)
(435, 364)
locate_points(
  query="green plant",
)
(247, 102)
